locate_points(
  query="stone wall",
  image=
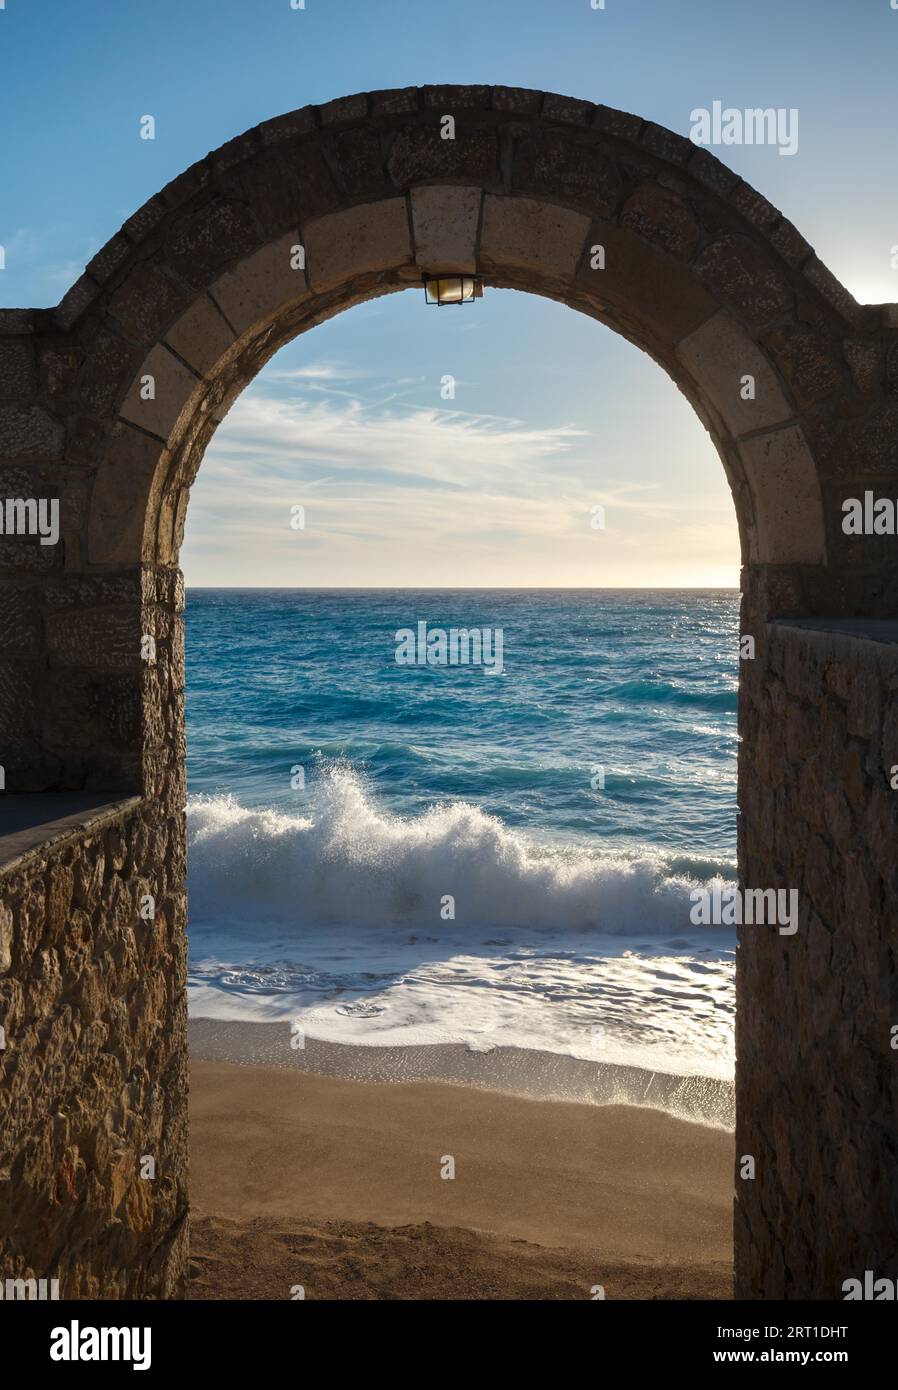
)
(817, 1099)
(93, 1071)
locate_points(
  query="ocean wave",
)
(666, 692)
(347, 860)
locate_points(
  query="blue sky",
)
(552, 414)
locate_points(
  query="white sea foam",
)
(347, 861)
(333, 917)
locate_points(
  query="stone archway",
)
(110, 402)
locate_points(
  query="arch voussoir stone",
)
(111, 399)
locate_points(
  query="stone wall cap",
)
(882, 630)
(16, 322)
(32, 823)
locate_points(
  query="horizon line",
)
(473, 588)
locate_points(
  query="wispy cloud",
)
(316, 371)
(402, 494)
(28, 247)
(451, 446)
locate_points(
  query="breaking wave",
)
(349, 861)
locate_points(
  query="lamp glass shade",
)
(449, 289)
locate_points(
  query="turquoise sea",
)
(431, 853)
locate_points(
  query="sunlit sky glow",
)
(494, 488)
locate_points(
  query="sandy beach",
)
(334, 1184)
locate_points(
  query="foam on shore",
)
(534, 1075)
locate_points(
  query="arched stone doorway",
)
(110, 401)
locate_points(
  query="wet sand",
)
(335, 1184)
